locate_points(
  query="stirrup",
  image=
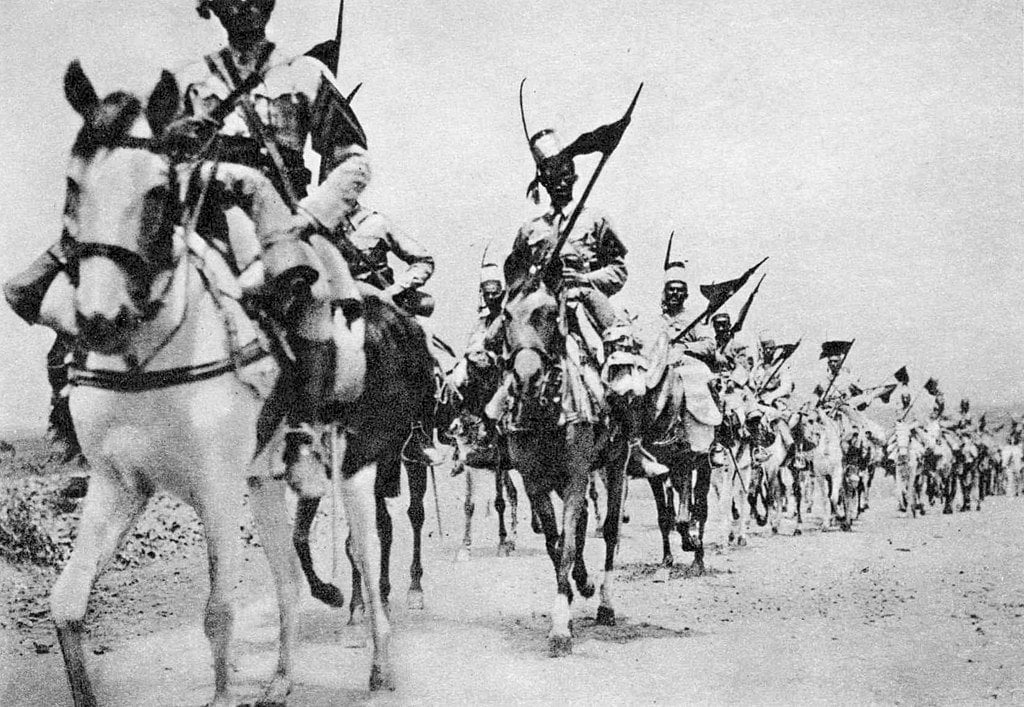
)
(718, 456)
(305, 468)
(419, 448)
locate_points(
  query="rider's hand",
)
(573, 278)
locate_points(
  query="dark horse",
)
(399, 391)
(478, 448)
(681, 442)
(557, 455)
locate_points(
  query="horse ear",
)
(163, 103)
(79, 91)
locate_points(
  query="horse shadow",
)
(529, 634)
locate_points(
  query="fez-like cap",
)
(490, 272)
(545, 144)
(675, 272)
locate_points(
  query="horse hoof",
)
(605, 615)
(506, 548)
(414, 600)
(668, 561)
(625, 518)
(732, 537)
(559, 646)
(741, 541)
(381, 679)
(276, 693)
(775, 530)
(586, 589)
(462, 555)
(798, 532)
(697, 568)
(947, 511)
(329, 595)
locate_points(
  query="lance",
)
(738, 326)
(593, 179)
(564, 233)
(714, 306)
(778, 367)
(833, 379)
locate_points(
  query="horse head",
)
(121, 209)
(534, 337)
(131, 195)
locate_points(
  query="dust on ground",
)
(901, 610)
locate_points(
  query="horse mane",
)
(107, 125)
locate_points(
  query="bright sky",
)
(873, 149)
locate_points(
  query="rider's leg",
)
(622, 343)
(25, 293)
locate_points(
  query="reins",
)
(137, 378)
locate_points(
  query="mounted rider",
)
(835, 392)
(592, 269)
(688, 358)
(366, 238)
(267, 104)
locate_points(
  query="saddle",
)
(684, 407)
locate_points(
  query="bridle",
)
(176, 215)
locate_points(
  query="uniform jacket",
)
(598, 249)
(375, 235)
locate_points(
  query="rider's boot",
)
(312, 380)
(60, 431)
(642, 463)
(420, 447)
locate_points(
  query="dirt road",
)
(898, 611)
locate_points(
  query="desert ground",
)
(898, 611)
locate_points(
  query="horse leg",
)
(965, 488)
(221, 510)
(505, 547)
(579, 443)
(109, 512)
(745, 471)
(305, 514)
(417, 516)
(468, 507)
(701, 487)
(798, 500)
(584, 585)
(356, 606)
(616, 475)
(270, 511)
(385, 535)
(360, 498)
(948, 491)
(664, 519)
(513, 502)
(595, 486)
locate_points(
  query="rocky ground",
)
(898, 611)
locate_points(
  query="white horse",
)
(1011, 459)
(907, 451)
(827, 481)
(167, 399)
